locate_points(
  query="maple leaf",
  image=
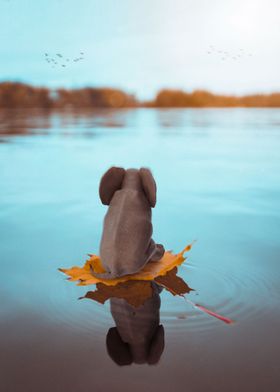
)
(137, 288)
(150, 271)
(134, 292)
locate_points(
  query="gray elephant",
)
(126, 243)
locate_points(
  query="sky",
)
(225, 46)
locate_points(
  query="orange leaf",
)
(150, 271)
(134, 292)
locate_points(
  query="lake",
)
(218, 179)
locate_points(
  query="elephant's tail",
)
(104, 275)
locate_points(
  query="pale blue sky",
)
(142, 46)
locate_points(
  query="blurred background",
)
(190, 89)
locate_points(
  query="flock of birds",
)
(61, 61)
(58, 60)
(225, 55)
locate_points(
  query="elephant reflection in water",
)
(138, 337)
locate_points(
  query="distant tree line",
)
(20, 95)
(93, 98)
(201, 98)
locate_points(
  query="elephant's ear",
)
(149, 185)
(156, 346)
(110, 183)
(118, 351)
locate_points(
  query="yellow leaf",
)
(149, 272)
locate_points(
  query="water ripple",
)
(246, 295)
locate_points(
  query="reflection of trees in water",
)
(93, 118)
(137, 337)
(41, 121)
(24, 122)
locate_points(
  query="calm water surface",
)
(218, 177)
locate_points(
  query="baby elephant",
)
(126, 243)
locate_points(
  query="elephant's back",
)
(127, 231)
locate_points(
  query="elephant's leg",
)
(156, 251)
(159, 252)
